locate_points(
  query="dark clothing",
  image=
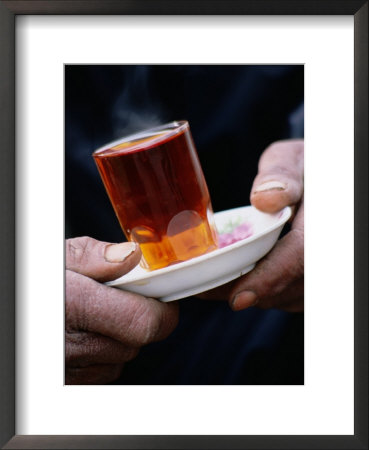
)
(234, 112)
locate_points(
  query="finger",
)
(290, 300)
(99, 260)
(84, 349)
(279, 181)
(96, 374)
(219, 293)
(126, 317)
(274, 273)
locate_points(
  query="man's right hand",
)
(105, 327)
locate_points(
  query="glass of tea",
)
(158, 191)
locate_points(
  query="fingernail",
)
(270, 185)
(115, 253)
(243, 300)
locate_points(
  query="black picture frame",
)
(8, 12)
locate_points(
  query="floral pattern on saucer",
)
(233, 231)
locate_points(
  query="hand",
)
(105, 327)
(277, 281)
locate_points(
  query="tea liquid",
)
(159, 194)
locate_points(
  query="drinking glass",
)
(158, 191)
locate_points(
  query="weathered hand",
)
(105, 327)
(277, 281)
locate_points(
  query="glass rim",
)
(173, 128)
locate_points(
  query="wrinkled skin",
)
(105, 327)
(278, 279)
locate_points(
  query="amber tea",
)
(158, 191)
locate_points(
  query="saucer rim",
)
(285, 214)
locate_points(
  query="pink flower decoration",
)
(225, 239)
(240, 232)
(243, 231)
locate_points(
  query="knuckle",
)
(80, 349)
(77, 250)
(76, 351)
(145, 323)
(71, 350)
(76, 301)
(73, 296)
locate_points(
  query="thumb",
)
(280, 178)
(100, 260)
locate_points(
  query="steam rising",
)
(136, 108)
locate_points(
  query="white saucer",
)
(212, 269)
